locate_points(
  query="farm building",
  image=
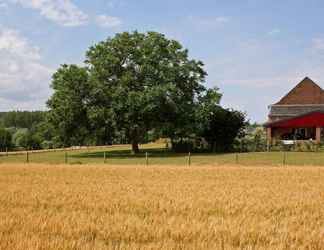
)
(299, 115)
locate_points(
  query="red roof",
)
(312, 119)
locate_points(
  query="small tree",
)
(218, 126)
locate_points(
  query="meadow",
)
(159, 155)
(162, 207)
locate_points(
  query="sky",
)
(255, 51)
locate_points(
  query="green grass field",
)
(158, 155)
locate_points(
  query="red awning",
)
(312, 119)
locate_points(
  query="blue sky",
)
(254, 50)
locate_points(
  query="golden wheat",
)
(100, 207)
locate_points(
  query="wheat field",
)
(161, 207)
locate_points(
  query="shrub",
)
(305, 146)
(47, 144)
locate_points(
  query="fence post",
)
(236, 158)
(66, 157)
(105, 156)
(27, 157)
(146, 159)
(189, 159)
(284, 158)
(6, 151)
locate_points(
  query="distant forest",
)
(20, 130)
(24, 130)
(21, 119)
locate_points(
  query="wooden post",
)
(66, 157)
(189, 159)
(105, 157)
(318, 135)
(27, 157)
(236, 158)
(6, 151)
(146, 159)
(269, 137)
(284, 158)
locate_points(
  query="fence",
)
(104, 155)
(74, 148)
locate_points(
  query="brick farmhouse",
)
(299, 115)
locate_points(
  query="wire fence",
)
(104, 155)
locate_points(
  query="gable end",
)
(305, 92)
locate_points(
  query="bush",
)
(17, 138)
(255, 140)
(305, 146)
(185, 145)
(47, 144)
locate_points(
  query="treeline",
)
(30, 130)
(21, 130)
(25, 130)
(21, 119)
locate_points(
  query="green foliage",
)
(31, 141)
(254, 140)
(47, 144)
(193, 145)
(133, 83)
(27, 139)
(222, 128)
(146, 82)
(218, 126)
(18, 136)
(305, 146)
(68, 105)
(5, 139)
(21, 119)
(21, 123)
(135, 88)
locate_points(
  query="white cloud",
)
(63, 12)
(274, 32)
(24, 80)
(11, 41)
(108, 21)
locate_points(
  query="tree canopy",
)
(146, 81)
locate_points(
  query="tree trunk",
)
(135, 149)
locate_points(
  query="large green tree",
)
(144, 82)
(135, 83)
